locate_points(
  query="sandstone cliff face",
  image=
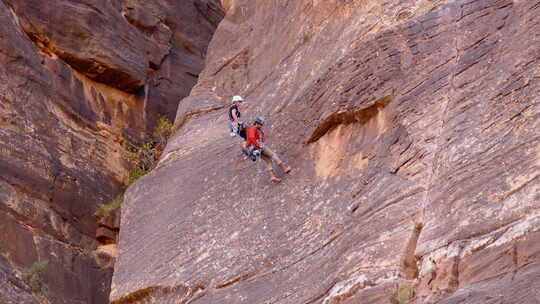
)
(412, 128)
(79, 81)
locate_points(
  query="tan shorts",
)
(268, 155)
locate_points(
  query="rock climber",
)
(255, 139)
(235, 124)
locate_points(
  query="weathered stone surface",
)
(111, 220)
(392, 114)
(14, 291)
(106, 255)
(191, 24)
(106, 236)
(114, 52)
(74, 92)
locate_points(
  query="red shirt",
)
(253, 135)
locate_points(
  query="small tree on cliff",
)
(33, 276)
(145, 157)
(162, 132)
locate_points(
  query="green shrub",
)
(104, 209)
(135, 174)
(405, 294)
(145, 157)
(163, 131)
(32, 275)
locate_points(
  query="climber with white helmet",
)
(254, 145)
(235, 124)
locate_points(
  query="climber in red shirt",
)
(255, 137)
(254, 134)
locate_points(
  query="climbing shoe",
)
(286, 169)
(275, 179)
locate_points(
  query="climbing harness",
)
(253, 153)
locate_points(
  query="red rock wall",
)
(412, 130)
(79, 80)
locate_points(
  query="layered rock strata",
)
(412, 130)
(80, 81)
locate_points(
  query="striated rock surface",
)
(80, 80)
(13, 290)
(412, 130)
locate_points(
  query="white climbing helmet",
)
(237, 98)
